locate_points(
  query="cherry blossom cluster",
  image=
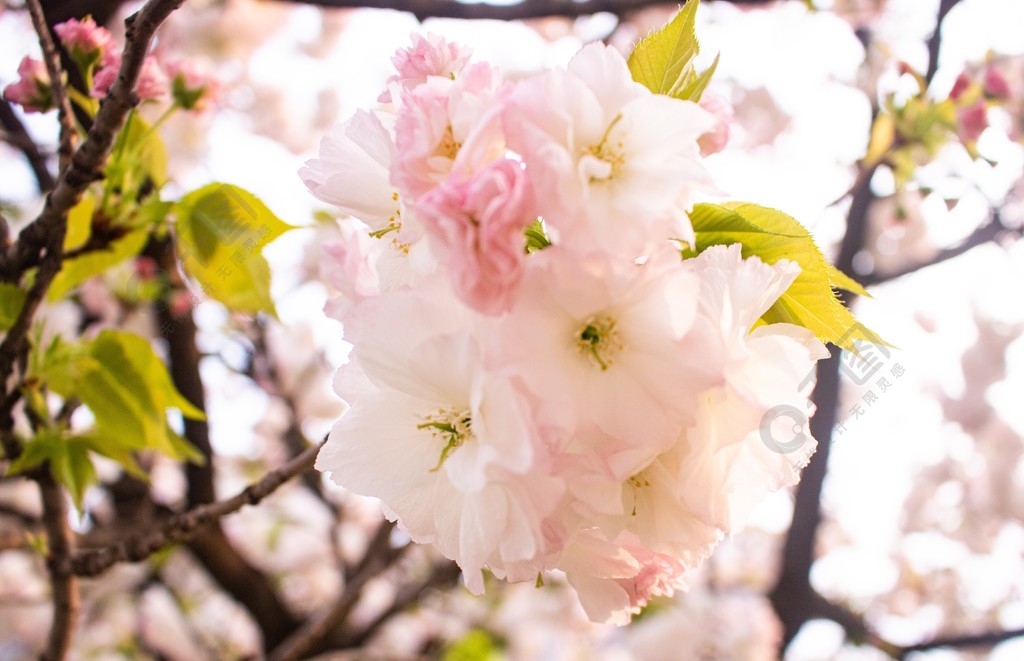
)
(979, 89)
(538, 380)
(93, 50)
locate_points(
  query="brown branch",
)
(527, 9)
(51, 57)
(443, 575)
(314, 632)
(990, 231)
(988, 639)
(935, 40)
(18, 137)
(210, 546)
(64, 584)
(178, 528)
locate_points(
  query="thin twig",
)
(65, 115)
(18, 137)
(423, 9)
(443, 575)
(64, 584)
(990, 231)
(987, 639)
(95, 561)
(379, 556)
(935, 40)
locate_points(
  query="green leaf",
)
(76, 271)
(221, 233)
(127, 388)
(477, 645)
(663, 62)
(12, 298)
(840, 280)
(79, 223)
(772, 235)
(142, 151)
(68, 459)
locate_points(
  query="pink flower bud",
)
(960, 86)
(86, 42)
(192, 87)
(32, 90)
(973, 120)
(995, 84)
(152, 84)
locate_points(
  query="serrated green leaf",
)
(840, 280)
(695, 84)
(12, 298)
(127, 389)
(76, 271)
(659, 60)
(221, 232)
(771, 235)
(663, 62)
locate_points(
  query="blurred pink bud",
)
(995, 84)
(192, 87)
(973, 120)
(960, 86)
(180, 303)
(152, 85)
(146, 267)
(86, 42)
(715, 140)
(32, 90)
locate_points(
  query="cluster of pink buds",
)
(94, 51)
(973, 95)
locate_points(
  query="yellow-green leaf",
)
(68, 460)
(79, 223)
(840, 280)
(141, 151)
(772, 235)
(76, 271)
(221, 232)
(663, 62)
(12, 298)
(127, 389)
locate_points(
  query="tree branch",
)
(423, 9)
(17, 136)
(443, 575)
(988, 639)
(935, 40)
(210, 546)
(51, 57)
(311, 636)
(178, 528)
(990, 231)
(64, 585)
